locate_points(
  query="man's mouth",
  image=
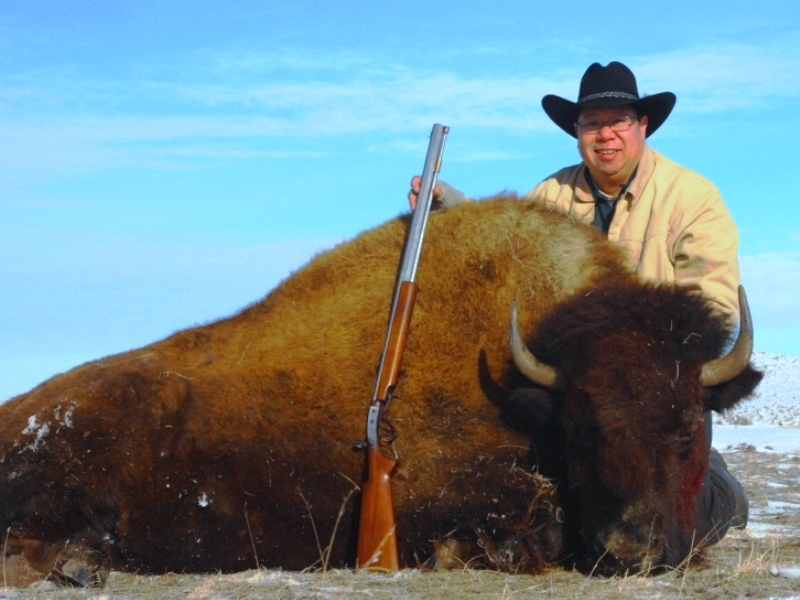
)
(605, 154)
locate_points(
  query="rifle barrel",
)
(413, 247)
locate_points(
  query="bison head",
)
(624, 376)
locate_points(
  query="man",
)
(671, 221)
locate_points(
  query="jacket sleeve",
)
(539, 193)
(704, 251)
(557, 190)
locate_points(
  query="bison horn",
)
(527, 363)
(729, 366)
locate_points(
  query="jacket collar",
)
(583, 191)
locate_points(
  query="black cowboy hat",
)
(613, 85)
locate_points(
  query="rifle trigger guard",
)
(380, 430)
(390, 431)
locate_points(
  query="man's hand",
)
(444, 196)
(413, 193)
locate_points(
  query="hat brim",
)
(564, 113)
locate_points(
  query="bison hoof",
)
(82, 567)
(452, 554)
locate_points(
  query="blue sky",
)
(163, 164)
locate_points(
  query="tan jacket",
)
(671, 221)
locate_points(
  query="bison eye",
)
(682, 443)
(583, 442)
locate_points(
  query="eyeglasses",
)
(619, 125)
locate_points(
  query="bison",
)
(231, 445)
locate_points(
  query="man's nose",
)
(605, 131)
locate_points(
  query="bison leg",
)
(83, 560)
(499, 516)
(452, 553)
(18, 572)
(521, 549)
(81, 565)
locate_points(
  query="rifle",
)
(377, 540)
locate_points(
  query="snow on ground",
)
(761, 439)
(769, 421)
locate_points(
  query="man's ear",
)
(727, 395)
(643, 123)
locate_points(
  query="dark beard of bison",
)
(651, 528)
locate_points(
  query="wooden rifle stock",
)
(377, 540)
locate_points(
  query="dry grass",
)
(744, 565)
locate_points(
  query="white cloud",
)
(64, 144)
(714, 77)
(724, 77)
(63, 121)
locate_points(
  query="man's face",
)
(611, 156)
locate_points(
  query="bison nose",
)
(637, 546)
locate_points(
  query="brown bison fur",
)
(230, 445)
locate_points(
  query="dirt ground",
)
(761, 562)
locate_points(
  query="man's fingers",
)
(413, 194)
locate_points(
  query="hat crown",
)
(614, 83)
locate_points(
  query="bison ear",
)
(529, 408)
(727, 395)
